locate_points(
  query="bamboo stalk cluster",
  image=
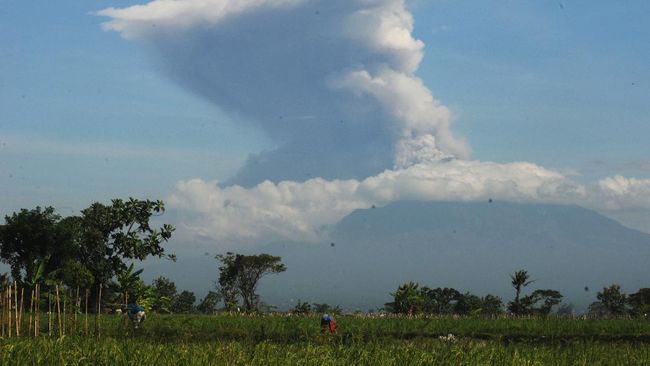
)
(60, 308)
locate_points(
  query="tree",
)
(468, 304)
(439, 300)
(184, 302)
(208, 305)
(549, 297)
(75, 275)
(326, 309)
(240, 274)
(565, 309)
(407, 299)
(302, 307)
(613, 299)
(519, 280)
(165, 294)
(29, 237)
(640, 302)
(492, 305)
(111, 234)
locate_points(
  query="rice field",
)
(234, 339)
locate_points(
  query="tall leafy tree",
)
(548, 297)
(112, 234)
(240, 274)
(492, 305)
(468, 304)
(613, 299)
(184, 302)
(165, 294)
(208, 305)
(439, 300)
(640, 302)
(29, 237)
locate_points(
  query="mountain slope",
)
(469, 246)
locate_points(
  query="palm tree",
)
(520, 279)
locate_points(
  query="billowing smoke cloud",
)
(332, 81)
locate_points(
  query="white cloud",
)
(619, 192)
(292, 210)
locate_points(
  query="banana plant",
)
(127, 281)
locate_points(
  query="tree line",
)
(410, 298)
(96, 250)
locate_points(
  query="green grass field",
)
(277, 340)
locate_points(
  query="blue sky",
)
(87, 115)
(563, 86)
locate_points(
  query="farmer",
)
(327, 322)
(136, 314)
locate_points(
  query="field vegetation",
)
(238, 339)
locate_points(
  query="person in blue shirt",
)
(136, 314)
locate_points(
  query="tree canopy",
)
(239, 275)
(89, 249)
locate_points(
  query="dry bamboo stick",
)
(2, 313)
(86, 320)
(37, 307)
(17, 329)
(20, 310)
(9, 308)
(99, 312)
(15, 306)
(77, 304)
(31, 311)
(49, 312)
(58, 309)
(64, 315)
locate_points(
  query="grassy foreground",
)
(279, 340)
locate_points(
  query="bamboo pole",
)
(77, 306)
(31, 310)
(86, 320)
(15, 304)
(58, 310)
(37, 307)
(98, 324)
(49, 313)
(17, 329)
(2, 313)
(64, 314)
(9, 308)
(20, 312)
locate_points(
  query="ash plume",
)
(331, 81)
